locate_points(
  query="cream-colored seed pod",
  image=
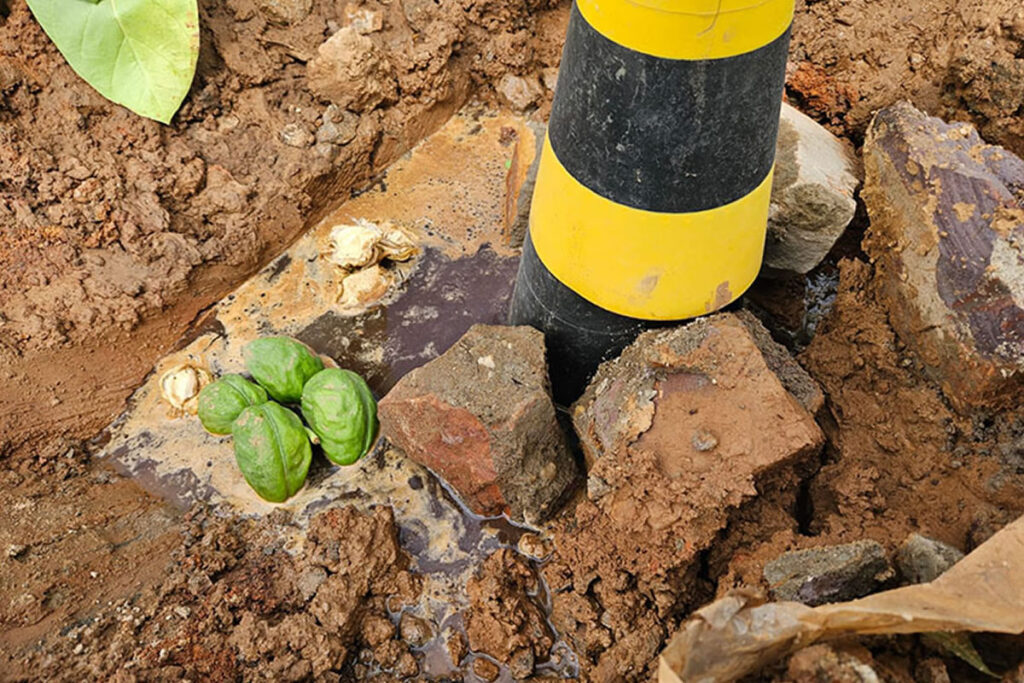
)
(355, 246)
(180, 387)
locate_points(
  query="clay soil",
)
(117, 233)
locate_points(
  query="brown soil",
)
(110, 219)
(117, 233)
(236, 603)
(960, 59)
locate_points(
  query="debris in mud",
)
(505, 620)
(236, 603)
(828, 574)
(739, 633)
(481, 416)
(352, 72)
(947, 239)
(816, 176)
(986, 78)
(827, 663)
(678, 433)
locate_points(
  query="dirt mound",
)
(962, 59)
(236, 603)
(902, 460)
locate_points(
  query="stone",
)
(792, 375)
(931, 670)
(338, 127)
(816, 576)
(414, 630)
(485, 669)
(680, 431)
(481, 417)
(352, 72)
(284, 11)
(519, 92)
(816, 178)
(309, 582)
(921, 559)
(363, 19)
(825, 663)
(947, 241)
(296, 135)
(458, 648)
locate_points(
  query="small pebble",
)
(414, 630)
(703, 440)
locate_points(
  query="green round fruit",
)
(272, 450)
(340, 409)
(222, 402)
(281, 365)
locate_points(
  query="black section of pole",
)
(579, 335)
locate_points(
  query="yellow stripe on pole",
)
(689, 29)
(645, 264)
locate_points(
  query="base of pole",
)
(579, 335)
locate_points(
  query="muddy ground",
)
(117, 233)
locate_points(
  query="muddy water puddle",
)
(448, 196)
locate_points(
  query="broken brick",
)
(481, 417)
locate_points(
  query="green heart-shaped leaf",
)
(139, 53)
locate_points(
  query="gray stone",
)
(921, 559)
(338, 127)
(828, 574)
(816, 176)
(481, 417)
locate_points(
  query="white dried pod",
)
(180, 386)
(355, 245)
(397, 246)
(364, 287)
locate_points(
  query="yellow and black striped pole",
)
(651, 199)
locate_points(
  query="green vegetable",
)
(282, 366)
(222, 402)
(272, 450)
(339, 407)
(138, 53)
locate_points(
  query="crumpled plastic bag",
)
(739, 634)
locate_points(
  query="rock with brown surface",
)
(827, 663)
(351, 71)
(481, 416)
(690, 429)
(682, 429)
(947, 240)
(816, 177)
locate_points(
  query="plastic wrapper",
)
(739, 633)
